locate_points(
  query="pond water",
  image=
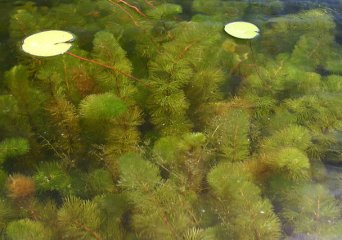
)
(149, 121)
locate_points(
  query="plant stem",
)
(149, 3)
(133, 7)
(253, 59)
(105, 66)
(88, 230)
(123, 9)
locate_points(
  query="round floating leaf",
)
(48, 43)
(243, 30)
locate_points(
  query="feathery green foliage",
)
(138, 174)
(79, 219)
(13, 147)
(97, 110)
(164, 11)
(291, 136)
(27, 230)
(113, 208)
(311, 210)
(289, 161)
(156, 203)
(185, 159)
(104, 106)
(51, 177)
(6, 214)
(230, 135)
(334, 83)
(237, 201)
(100, 182)
(158, 125)
(67, 129)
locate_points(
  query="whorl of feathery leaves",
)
(185, 158)
(18, 79)
(165, 202)
(312, 210)
(314, 22)
(334, 64)
(290, 162)
(333, 84)
(6, 213)
(165, 11)
(9, 112)
(238, 200)
(108, 49)
(220, 11)
(137, 174)
(226, 178)
(230, 134)
(110, 210)
(292, 136)
(314, 112)
(168, 149)
(79, 219)
(99, 181)
(13, 147)
(50, 176)
(165, 149)
(200, 234)
(26, 229)
(113, 207)
(101, 106)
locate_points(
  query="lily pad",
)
(242, 30)
(48, 43)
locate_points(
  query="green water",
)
(157, 124)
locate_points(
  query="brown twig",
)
(187, 48)
(106, 66)
(133, 7)
(123, 9)
(149, 3)
(88, 230)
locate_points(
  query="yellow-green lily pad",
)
(48, 43)
(242, 30)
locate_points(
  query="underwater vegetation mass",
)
(153, 123)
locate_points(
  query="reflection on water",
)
(157, 124)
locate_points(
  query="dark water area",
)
(158, 124)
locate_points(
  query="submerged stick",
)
(133, 7)
(106, 66)
(149, 3)
(253, 59)
(123, 9)
(136, 9)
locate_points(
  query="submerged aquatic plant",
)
(56, 42)
(20, 187)
(224, 142)
(244, 30)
